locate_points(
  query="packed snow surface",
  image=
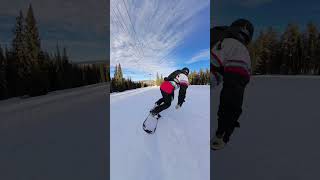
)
(279, 133)
(179, 149)
(62, 135)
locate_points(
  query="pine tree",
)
(312, 35)
(207, 76)
(191, 78)
(3, 80)
(18, 43)
(32, 37)
(195, 78)
(67, 74)
(202, 77)
(120, 78)
(58, 58)
(106, 68)
(115, 72)
(271, 44)
(60, 69)
(289, 52)
(33, 48)
(161, 80)
(318, 54)
(120, 74)
(115, 82)
(157, 79)
(43, 74)
(19, 60)
(65, 56)
(11, 73)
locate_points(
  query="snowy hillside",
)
(279, 134)
(178, 150)
(61, 135)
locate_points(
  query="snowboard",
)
(150, 123)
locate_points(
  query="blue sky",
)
(79, 25)
(264, 13)
(159, 36)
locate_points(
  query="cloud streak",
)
(203, 55)
(146, 34)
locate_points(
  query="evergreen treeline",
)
(292, 52)
(200, 78)
(119, 84)
(25, 69)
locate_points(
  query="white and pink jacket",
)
(169, 86)
(233, 56)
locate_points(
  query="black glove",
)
(182, 94)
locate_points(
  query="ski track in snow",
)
(179, 149)
(279, 134)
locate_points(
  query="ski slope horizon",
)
(179, 149)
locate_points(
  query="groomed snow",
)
(62, 135)
(279, 134)
(178, 150)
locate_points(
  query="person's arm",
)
(182, 94)
(184, 83)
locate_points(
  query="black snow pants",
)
(165, 100)
(230, 107)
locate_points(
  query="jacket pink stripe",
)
(238, 70)
(184, 83)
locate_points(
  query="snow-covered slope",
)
(178, 150)
(62, 135)
(279, 134)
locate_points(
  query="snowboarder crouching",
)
(176, 80)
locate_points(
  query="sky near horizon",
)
(265, 13)
(159, 36)
(79, 25)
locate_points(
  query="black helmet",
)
(185, 70)
(245, 28)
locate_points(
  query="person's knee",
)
(168, 103)
(237, 112)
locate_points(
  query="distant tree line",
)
(25, 69)
(119, 83)
(200, 78)
(292, 52)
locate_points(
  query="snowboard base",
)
(150, 124)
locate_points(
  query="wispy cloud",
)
(145, 34)
(203, 55)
